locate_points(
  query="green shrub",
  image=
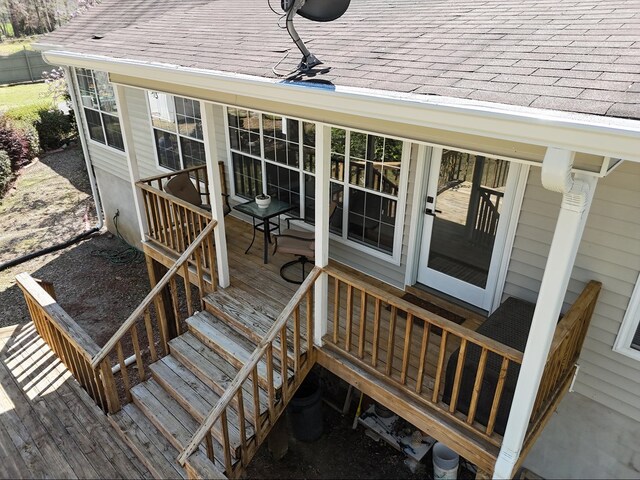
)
(54, 129)
(14, 141)
(31, 134)
(28, 113)
(5, 171)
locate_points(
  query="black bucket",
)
(305, 410)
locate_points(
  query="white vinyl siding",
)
(609, 253)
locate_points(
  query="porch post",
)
(576, 201)
(132, 162)
(323, 169)
(215, 192)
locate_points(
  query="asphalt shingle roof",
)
(569, 55)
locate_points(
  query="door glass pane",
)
(468, 205)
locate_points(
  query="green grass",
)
(9, 47)
(21, 95)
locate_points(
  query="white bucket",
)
(445, 462)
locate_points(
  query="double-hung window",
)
(276, 155)
(177, 131)
(628, 340)
(100, 109)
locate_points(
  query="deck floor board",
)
(48, 429)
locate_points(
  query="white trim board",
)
(611, 137)
(629, 326)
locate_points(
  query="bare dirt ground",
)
(50, 203)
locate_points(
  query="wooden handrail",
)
(174, 199)
(124, 328)
(490, 344)
(83, 343)
(172, 174)
(248, 368)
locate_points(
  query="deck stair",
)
(184, 386)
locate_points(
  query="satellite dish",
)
(317, 11)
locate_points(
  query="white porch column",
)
(576, 201)
(215, 192)
(132, 162)
(323, 169)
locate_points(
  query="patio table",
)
(261, 218)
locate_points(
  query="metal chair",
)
(297, 242)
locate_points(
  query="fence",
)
(23, 66)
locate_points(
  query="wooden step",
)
(249, 312)
(230, 344)
(153, 450)
(197, 398)
(252, 314)
(173, 421)
(213, 370)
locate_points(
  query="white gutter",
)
(85, 149)
(609, 137)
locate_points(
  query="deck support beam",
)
(577, 194)
(323, 199)
(215, 192)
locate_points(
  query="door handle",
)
(430, 211)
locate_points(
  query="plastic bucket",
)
(445, 462)
(305, 410)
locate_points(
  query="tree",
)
(33, 17)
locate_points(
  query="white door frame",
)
(485, 298)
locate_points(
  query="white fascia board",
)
(609, 137)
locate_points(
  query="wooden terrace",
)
(261, 329)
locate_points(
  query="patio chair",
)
(182, 187)
(300, 243)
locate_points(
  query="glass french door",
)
(465, 224)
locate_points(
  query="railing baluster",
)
(138, 353)
(187, 288)
(209, 447)
(349, 320)
(257, 422)
(212, 263)
(392, 339)
(363, 322)
(296, 340)
(309, 297)
(123, 371)
(441, 356)
(243, 428)
(477, 386)
(376, 333)
(426, 328)
(458, 378)
(150, 339)
(407, 348)
(226, 444)
(201, 291)
(270, 386)
(284, 364)
(175, 303)
(497, 396)
(113, 402)
(336, 311)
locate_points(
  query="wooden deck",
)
(49, 426)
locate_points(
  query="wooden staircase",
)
(168, 408)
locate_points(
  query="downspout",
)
(92, 182)
(577, 193)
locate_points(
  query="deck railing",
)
(563, 355)
(410, 346)
(160, 316)
(285, 356)
(172, 222)
(65, 337)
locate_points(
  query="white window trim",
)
(160, 167)
(85, 124)
(629, 326)
(396, 256)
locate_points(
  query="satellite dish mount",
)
(316, 10)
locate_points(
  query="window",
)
(276, 155)
(177, 131)
(628, 340)
(100, 109)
